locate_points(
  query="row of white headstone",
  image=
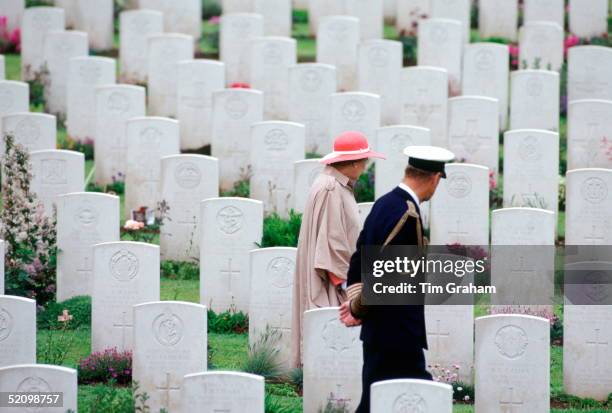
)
(512, 362)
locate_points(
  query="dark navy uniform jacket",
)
(393, 327)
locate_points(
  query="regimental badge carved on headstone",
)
(281, 270)
(353, 111)
(511, 341)
(459, 185)
(124, 265)
(337, 338)
(594, 190)
(409, 403)
(6, 324)
(230, 219)
(168, 328)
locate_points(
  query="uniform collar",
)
(340, 177)
(412, 194)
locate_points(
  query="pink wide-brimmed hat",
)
(350, 146)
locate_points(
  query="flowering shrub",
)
(10, 40)
(496, 199)
(364, 188)
(29, 234)
(104, 366)
(450, 375)
(85, 146)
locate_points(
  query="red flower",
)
(239, 85)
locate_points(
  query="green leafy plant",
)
(263, 356)
(273, 405)
(29, 233)
(279, 232)
(59, 343)
(230, 321)
(364, 188)
(296, 377)
(106, 366)
(108, 398)
(79, 307)
(180, 270)
(210, 9)
(85, 146)
(242, 187)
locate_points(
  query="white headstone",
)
(84, 74)
(170, 341)
(271, 298)
(544, 11)
(587, 350)
(473, 130)
(541, 46)
(391, 140)
(512, 363)
(531, 169)
(37, 378)
(70, 11)
(59, 47)
(269, 64)
(424, 100)
(234, 111)
(589, 134)
(486, 73)
(2, 68)
(409, 14)
(337, 44)
(17, 330)
(353, 111)
(235, 32)
(164, 52)
(304, 174)
(380, 67)
(125, 274)
(148, 140)
(523, 275)
(534, 100)
(115, 104)
(588, 18)
(310, 89)
(14, 97)
(56, 172)
(37, 22)
(498, 19)
(83, 220)
(454, 9)
(460, 207)
(276, 146)
(197, 80)
(277, 16)
(95, 17)
(588, 212)
(364, 210)
(332, 359)
(182, 16)
(440, 44)
(12, 10)
(395, 395)
(588, 73)
(319, 9)
(370, 15)
(34, 131)
(135, 26)
(230, 228)
(223, 391)
(185, 181)
(237, 6)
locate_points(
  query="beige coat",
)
(328, 238)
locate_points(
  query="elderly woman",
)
(329, 231)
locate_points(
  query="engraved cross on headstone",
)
(123, 325)
(591, 143)
(438, 334)
(230, 272)
(594, 237)
(521, 269)
(419, 109)
(597, 342)
(510, 404)
(458, 231)
(280, 326)
(167, 388)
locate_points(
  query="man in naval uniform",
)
(394, 336)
